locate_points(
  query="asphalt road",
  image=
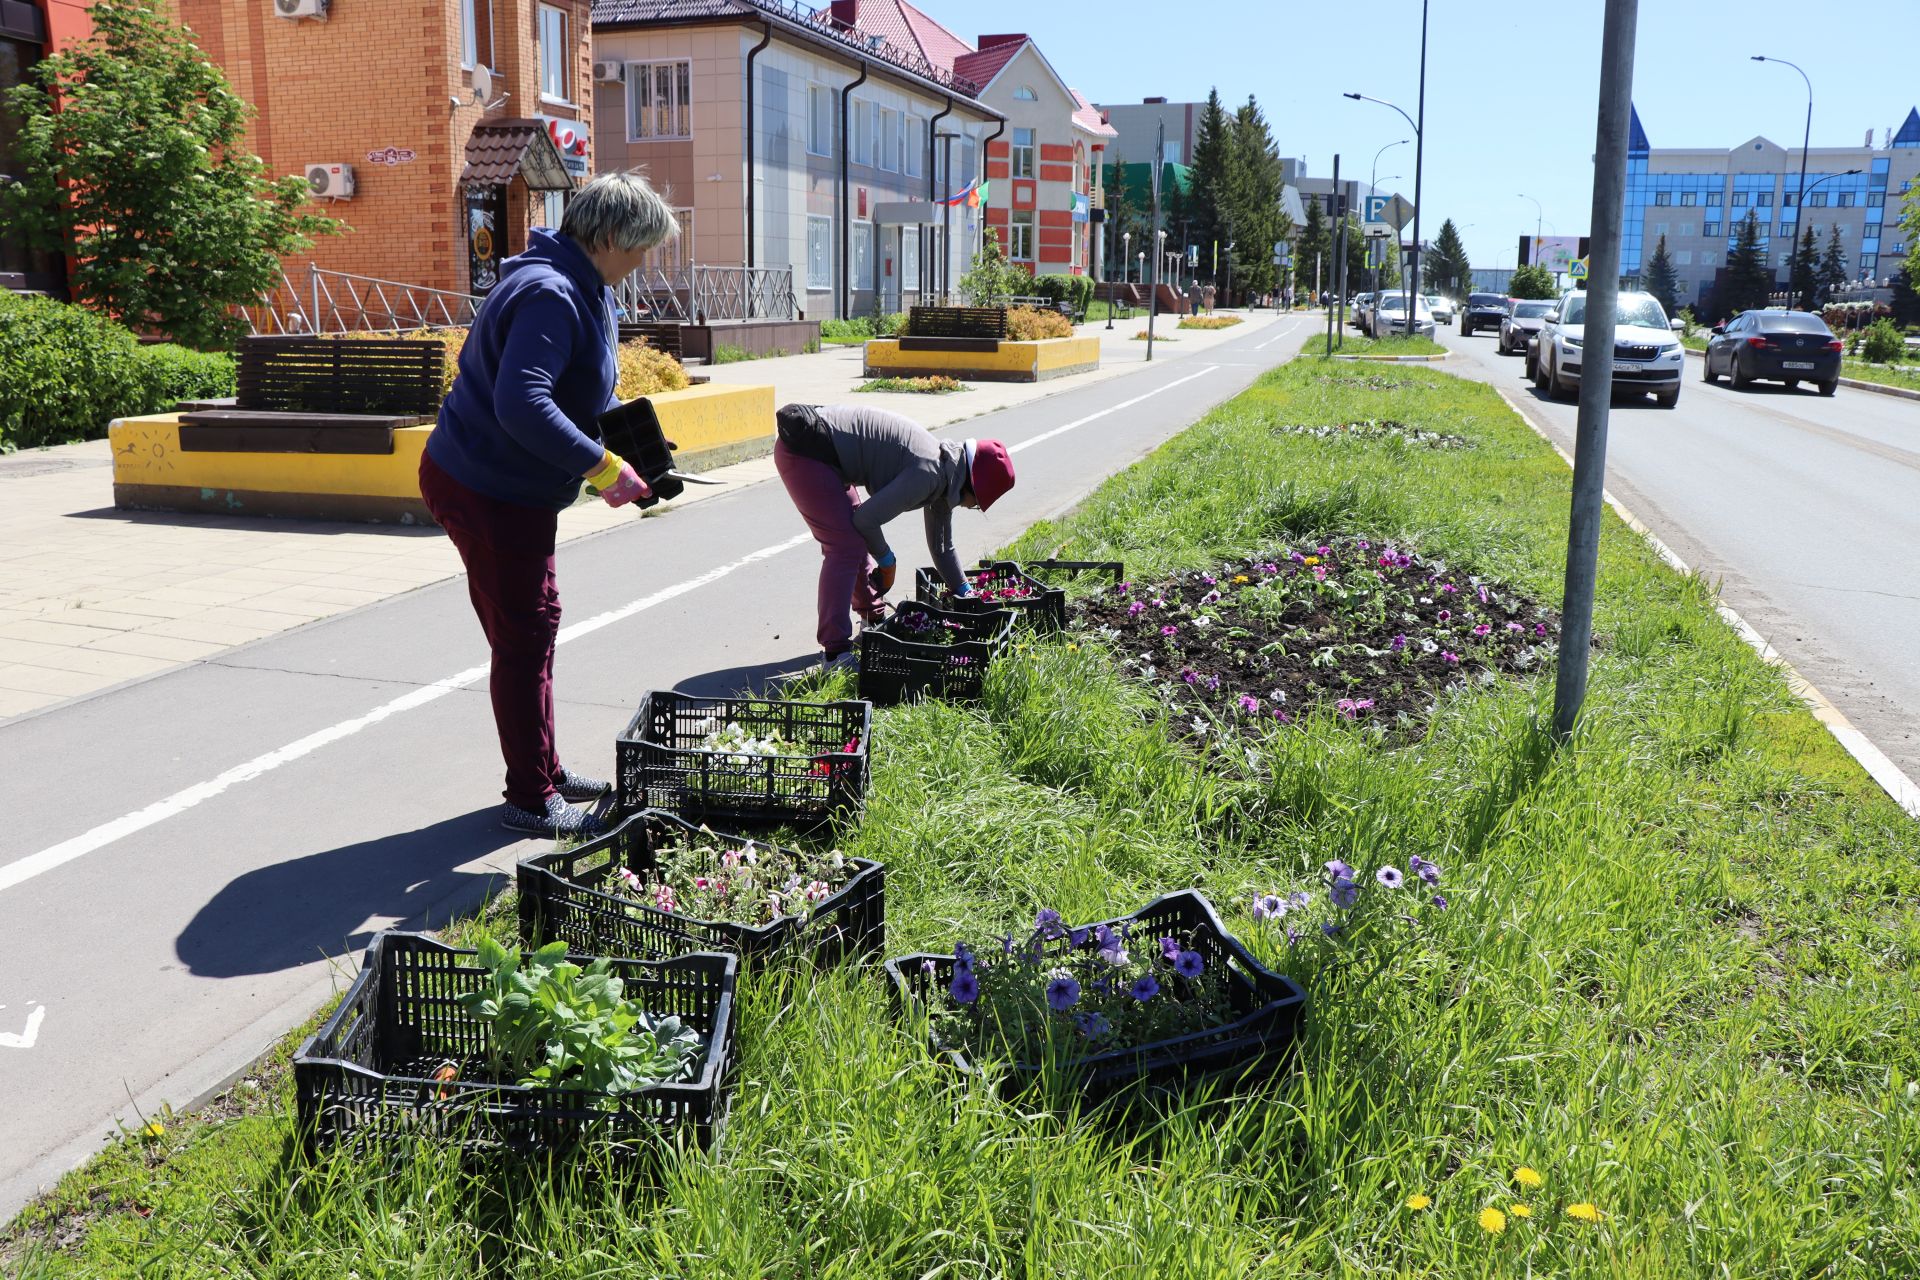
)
(1803, 509)
(193, 863)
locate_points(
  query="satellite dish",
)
(482, 83)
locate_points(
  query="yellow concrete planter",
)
(152, 471)
(1008, 362)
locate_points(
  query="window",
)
(1713, 199)
(889, 134)
(469, 35)
(555, 209)
(1818, 200)
(1663, 197)
(1025, 93)
(1022, 153)
(1706, 259)
(915, 164)
(1020, 244)
(1687, 197)
(1869, 263)
(1709, 228)
(1846, 200)
(1686, 228)
(909, 258)
(1788, 199)
(555, 55)
(1876, 199)
(673, 254)
(1763, 199)
(657, 100)
(863, 255)
(862, 120)
(819, 252)
(820, 121)
(1660, 228)
(1739, 199)
(1683, 258)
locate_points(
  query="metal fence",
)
(701, 295)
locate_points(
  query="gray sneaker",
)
(560, 819)
(848, 661)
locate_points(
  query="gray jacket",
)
(902, 466)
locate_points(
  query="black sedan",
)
(1484, 311)
(1786, 346)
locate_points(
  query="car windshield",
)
(1794, 322)
(1487, 300)
(1531, 310)
(1639, 310)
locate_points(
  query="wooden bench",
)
(660, 335)
(955, 329)
(243, 431)
(340, 375)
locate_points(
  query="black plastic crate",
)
(561, 898)
(1269, 1006)
(896, 668)
(662, 765)
(369, 1072)
(1045, 608)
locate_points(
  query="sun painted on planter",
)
(1358, 626)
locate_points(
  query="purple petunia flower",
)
(1399, 643)
(1124, 587)
(1327, 551)
(1189, 964)
(1170, 630)
(1249, 703)
(1062, 994)
(1006, 945)
(1048, 923)
(1390, 877)
(926, 966)
(1189, 675)
(1208, 578)
(1445, 615)
(1344, 892)
(1439, 902)
(964, 988)
(1339, 870)
(1093, 1025)
(1144, 988)
(1515, 627)
(1330, 928)
(1301, 899)
(1076, 937)
(1482, 630)
(1539, 628)
(1451, 659)
(1169, 947)
(1269, 906)
(1135, 609)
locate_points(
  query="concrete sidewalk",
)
(92, 597)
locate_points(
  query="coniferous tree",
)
(1806, 271)
(1315, 249)
(1255, 220)
(131, 157)
(1447, 266)
(1748, 279)
(1212, 174)
(1833, 266)
(1662, 282)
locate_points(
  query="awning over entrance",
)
(498, 150)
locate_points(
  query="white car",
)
(1390, 316)
(1646, 355)
(1442, 308)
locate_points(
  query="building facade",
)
(29, 31)
(1697, 198)
(846, 129)
(1137, 125)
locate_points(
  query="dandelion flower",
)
(154, 1129)
(1417, 1203)
(1584, 1212)
(1528, 1177)
(1492, 1221)
(1519, 1211)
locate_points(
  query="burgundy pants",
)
(826, 503)
(508, 551)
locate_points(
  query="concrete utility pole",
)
(1596, 371)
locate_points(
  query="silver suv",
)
(1646, 355)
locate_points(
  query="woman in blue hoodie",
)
(517, 435)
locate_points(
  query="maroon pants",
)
(508, 551)
(827, 504)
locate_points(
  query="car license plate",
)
(1796, 364)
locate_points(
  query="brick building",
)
(443, 184)
(29, 31)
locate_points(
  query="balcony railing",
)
(821, 21)
(702, 295)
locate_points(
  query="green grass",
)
(726, 353)
(1358, 344)
(1892, 375)
(1676, 977)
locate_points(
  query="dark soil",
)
(1355, 625)
(1376, 429)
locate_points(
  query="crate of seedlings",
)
(466, 1046)
(923, 650)
(656, 886)
(1029, 588)
(753, 761)
(1155, 996)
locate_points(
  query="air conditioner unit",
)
(296, 9)
(609, 72)
(332, 181)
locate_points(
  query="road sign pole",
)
(1596, 371)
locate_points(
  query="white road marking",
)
(25, 1039)
(21, 870)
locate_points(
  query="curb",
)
(1877, 388)
(1904, 791)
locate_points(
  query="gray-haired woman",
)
(517, 435)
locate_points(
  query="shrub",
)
(1077, 291)
(1883, 343)
(647, 371)
(1532, 282)
(1030, 324)
(453, 338)
(889, 324)
(66, 373)
(843, 330)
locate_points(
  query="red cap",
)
(992, 472)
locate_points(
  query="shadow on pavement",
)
(254, 524)
(304, 909)
(757, 680)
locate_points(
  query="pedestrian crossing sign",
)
(1577, 268)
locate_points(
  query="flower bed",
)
(1156, 995)
(755, 760)
(433, 1040)
(1209, 322)
(1375, 429)
(924, 650)
(1367, 629)
(656, 886)
(933, 384)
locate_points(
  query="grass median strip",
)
(1352, 345)
(1666, 1009)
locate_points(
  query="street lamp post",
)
(1800, 219)
(1126, 257)
(1374, 280)
(1806, 138)
(1539, 216)
(1419, 157)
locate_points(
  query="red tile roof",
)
(1087, 116)
(983, 66)
(910, 29)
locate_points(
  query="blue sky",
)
(1511, 88)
